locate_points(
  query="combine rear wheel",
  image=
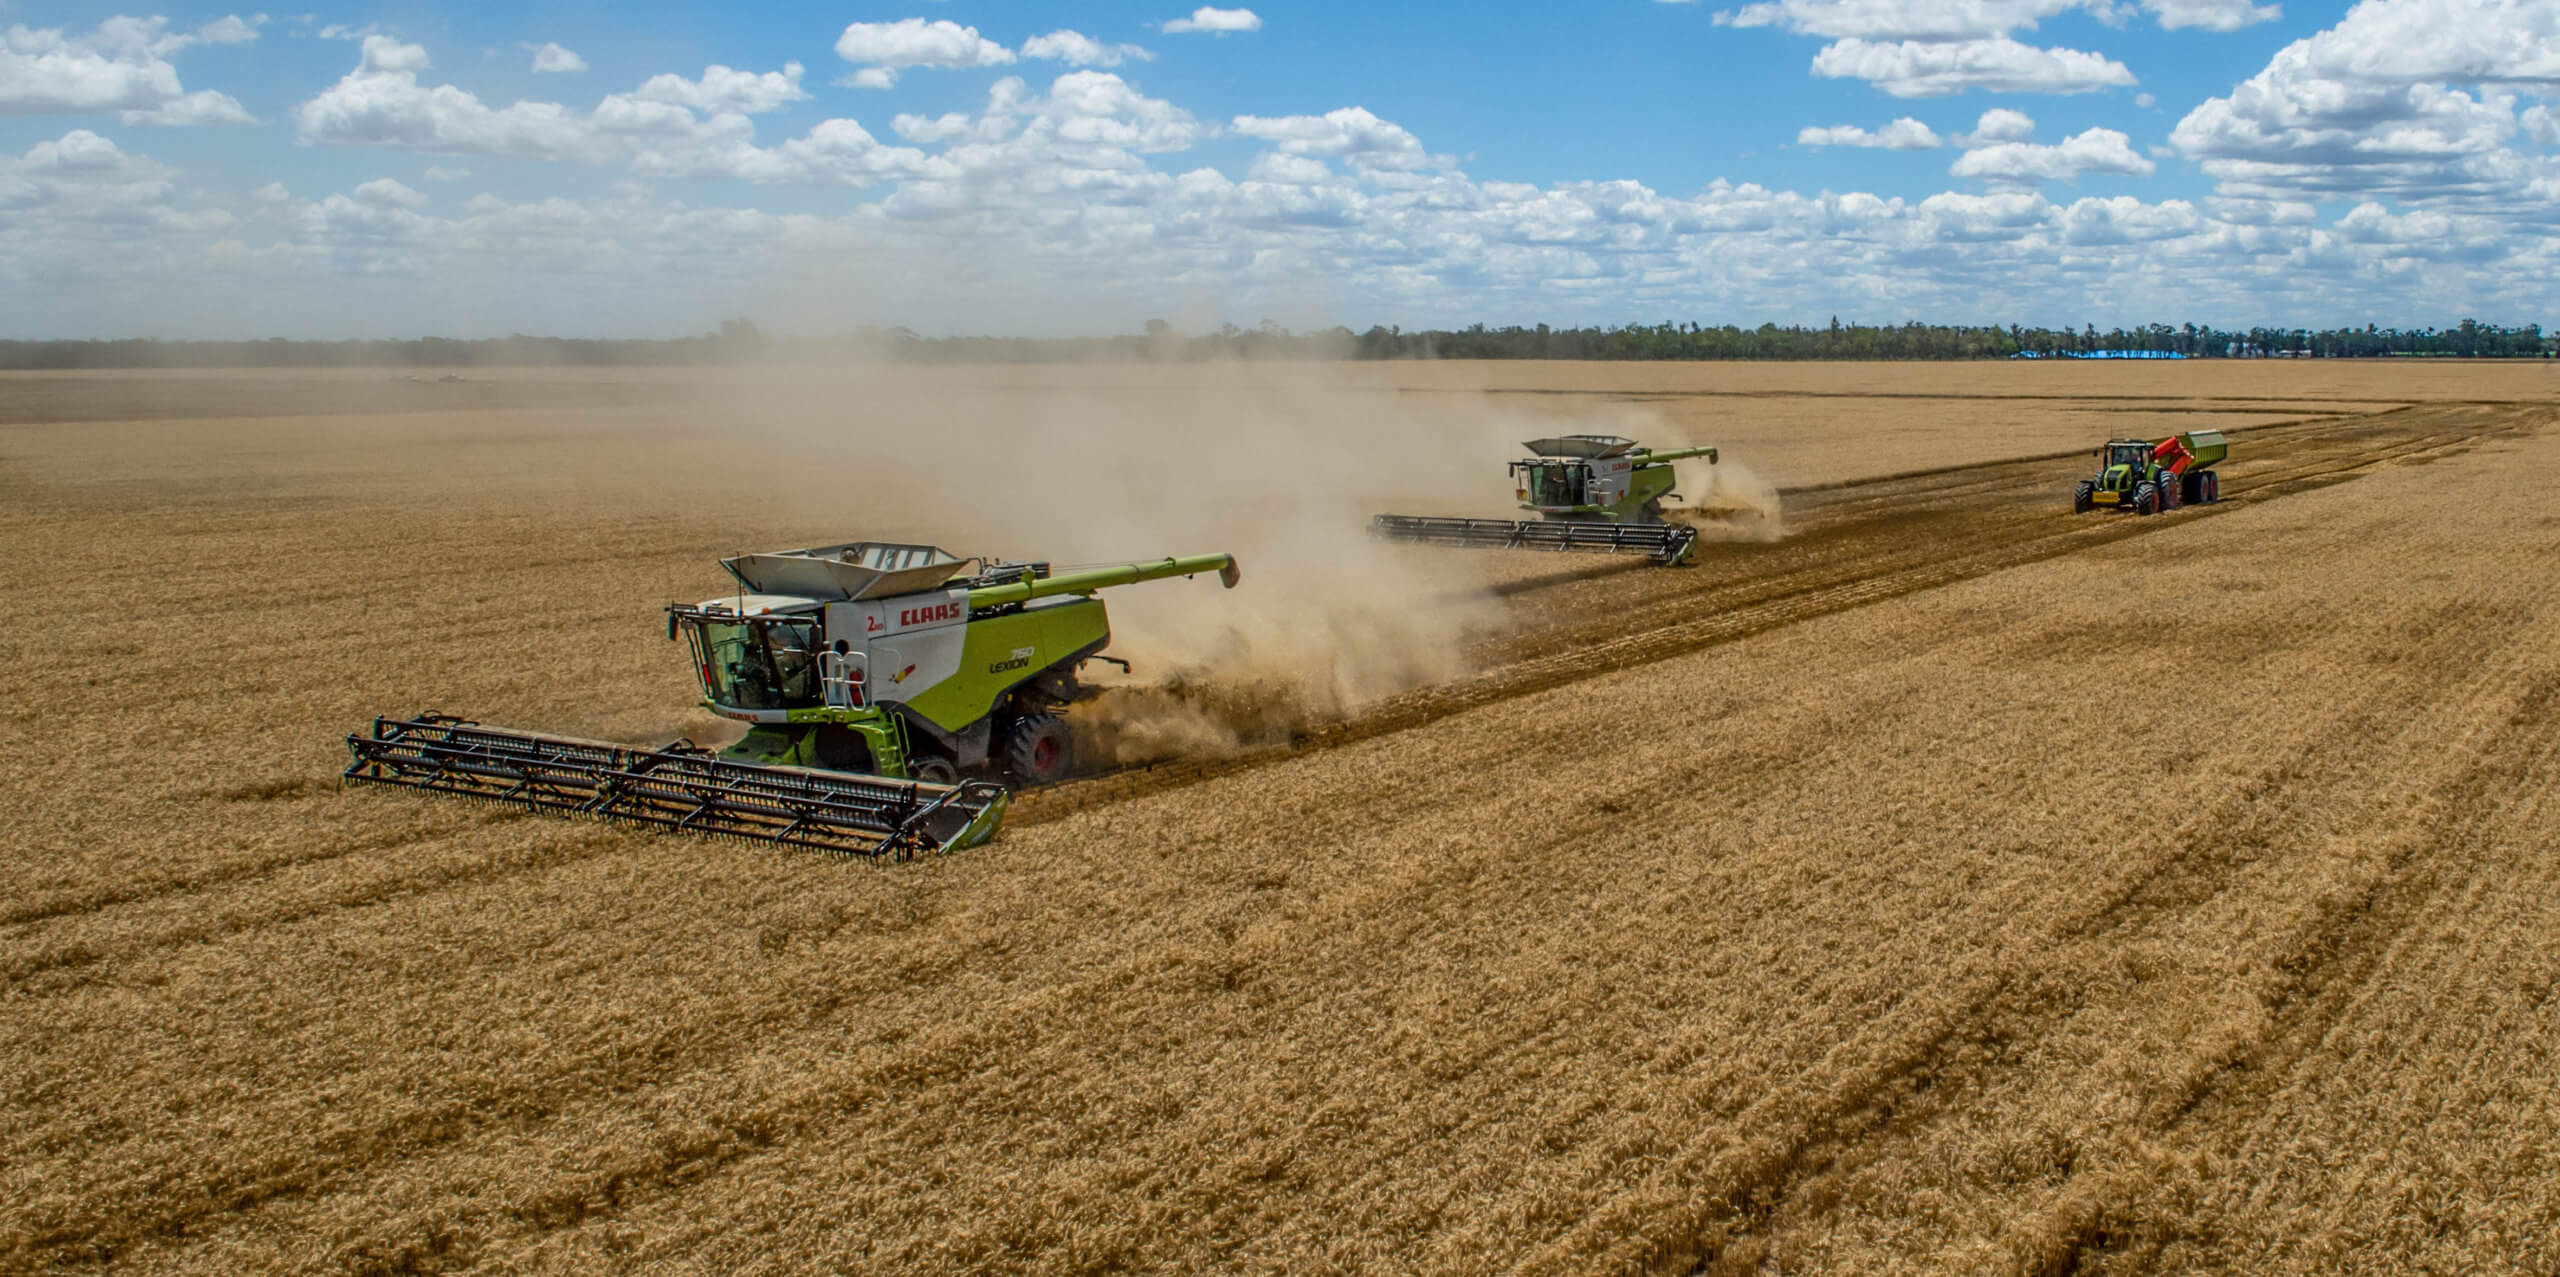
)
(932, 771)
(1039, 750)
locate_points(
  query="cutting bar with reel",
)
(1661, 542)
(679, 786)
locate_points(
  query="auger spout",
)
(1103, 578)
(1650, 456)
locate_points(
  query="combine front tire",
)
(1039, 750)
(2084, 497)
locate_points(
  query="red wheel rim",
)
(1044, 754)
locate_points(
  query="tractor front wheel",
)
(2084, 498)
(2146, 499)
(1039, 750)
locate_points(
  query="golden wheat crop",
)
(1951, 885)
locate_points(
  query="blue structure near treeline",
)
(2100, 354)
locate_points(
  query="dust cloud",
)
(1281, 465)
(1727, 502)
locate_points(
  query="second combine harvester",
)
(891, 704)
(1593, 494)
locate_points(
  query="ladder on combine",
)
(1662, 542)
(679, 786)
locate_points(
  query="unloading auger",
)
(1594, 494)
(893, 705)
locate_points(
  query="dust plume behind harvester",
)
(1593, 494)
(893, 704)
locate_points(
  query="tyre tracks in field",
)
(2337, 963)
(1862, 544)
(2319, 971)
(1904, 1058)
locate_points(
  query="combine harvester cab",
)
(1593, 494)
(2148, 476)
(891, 703)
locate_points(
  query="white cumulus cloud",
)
(1078, 49)
(549, 58)
(883, 49)
(388, 193)
(381, 103)
(1905, 134)
(722, 89)
(1962, 20)
(1214, 21)
(2413, 97)
(122, 66)
(1351, 134)
(204, 106)
(2211, 15)
(1082, 189)
(2000, 124)
(2093, 151)
(2543, 125)
(1897, 20)
(1920, 69)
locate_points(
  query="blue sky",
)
(650, 168)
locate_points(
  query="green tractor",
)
(892, 704)
(2148, 476)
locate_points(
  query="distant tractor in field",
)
(2148, 476)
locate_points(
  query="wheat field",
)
(1948, 884)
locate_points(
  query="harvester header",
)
(891, 701)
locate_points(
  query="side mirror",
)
(671, 625)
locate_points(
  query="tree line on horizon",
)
(742, 341)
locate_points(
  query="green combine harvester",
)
(893, 704)
(1594, 494)
(2148, 476)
